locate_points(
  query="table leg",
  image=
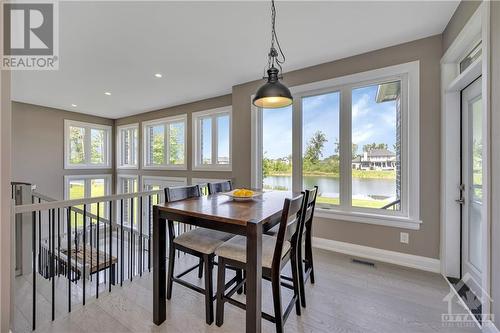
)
(159, 267)
(254, 277)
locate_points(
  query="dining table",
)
(219, 212)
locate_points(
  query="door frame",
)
(452, 82)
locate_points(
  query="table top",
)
(219, 207)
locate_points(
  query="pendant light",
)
(273, 94)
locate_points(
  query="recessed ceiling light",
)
(107, 93)
(74, 105)
(158, 75)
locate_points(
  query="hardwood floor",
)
(347, 297)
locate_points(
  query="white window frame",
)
(87, 141)
(196, 126)
(409, 215)
(119, 147)
(87, 178)
(119, 179)
(145, 148)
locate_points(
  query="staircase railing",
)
(75, 250)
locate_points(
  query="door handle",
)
(460, 201)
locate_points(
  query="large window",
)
(354, 137)
(212, 139)
(127, 142)
(165, 143)
(86, 146)
(87, 186)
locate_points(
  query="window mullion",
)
(87, 144)
(345, 151)
(297, 183)
(166, 144)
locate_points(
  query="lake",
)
(329, 186)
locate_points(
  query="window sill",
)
(86, 166)
(165, 167)
(377, 219)
(127, 167)
(222, 167)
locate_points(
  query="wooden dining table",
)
(218, 212)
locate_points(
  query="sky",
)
(222, 137)
(371, 122)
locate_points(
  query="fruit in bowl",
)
(243, 193)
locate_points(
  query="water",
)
(329, 186)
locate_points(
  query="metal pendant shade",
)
(273, 94)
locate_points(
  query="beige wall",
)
(188, 109)
(462, 14)
(38, 146)
(495, 151)
(424, 242)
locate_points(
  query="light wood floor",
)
(347, 297)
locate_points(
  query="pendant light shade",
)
(273, 94)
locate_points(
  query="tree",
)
(354, 150)
(315, 146)
(370, 146)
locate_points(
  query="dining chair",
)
(305, 265)
(219, 187)
(276, 253)
(199, 242)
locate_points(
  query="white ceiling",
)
(204, 48)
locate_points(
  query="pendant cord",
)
(274, 56)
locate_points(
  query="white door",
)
(472, 180)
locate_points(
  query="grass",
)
(76, 191)
(355, 202)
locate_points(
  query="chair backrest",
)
(182, 193)
(309, 205)
(291, 216)
(219, 187)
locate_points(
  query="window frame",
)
(87, 142)
(408, 74)
(146, 149)
(196, 134)
(119, 179)
(119, 130)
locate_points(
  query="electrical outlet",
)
(404, 238)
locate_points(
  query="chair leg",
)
(278, 313)
(245, 284)
(309, 255)
(221, 280)
(170, 275)
(296, 277)
(300, 273)
(209, 289)
(200, 269)
(239, 278)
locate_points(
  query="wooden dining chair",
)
(306, 265)
(276, 253)
(219, 187)
(199, 242)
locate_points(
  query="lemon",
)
(244, 193)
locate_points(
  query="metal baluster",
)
(141, 250)
(131, 242)
(76, 246)
(110, 243)
(97, 241)
(90, 243)
(33, 249)
(105, 242)
(84, 241)
(149, 233)
(52, 266)
(68, 255)
(58, 241)
(39, 237)
(121, 242)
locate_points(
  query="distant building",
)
(375, 159)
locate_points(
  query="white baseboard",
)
(392, 257)
(489, 327)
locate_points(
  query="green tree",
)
(315, 146)
(76, 145)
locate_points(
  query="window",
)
(277, 148)
(127, 146)
(203, 183)
(87, 186)
(153, 183)
(86, 146)
(128, 184)
(212, 139)
(355, 137)
(165, 143)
